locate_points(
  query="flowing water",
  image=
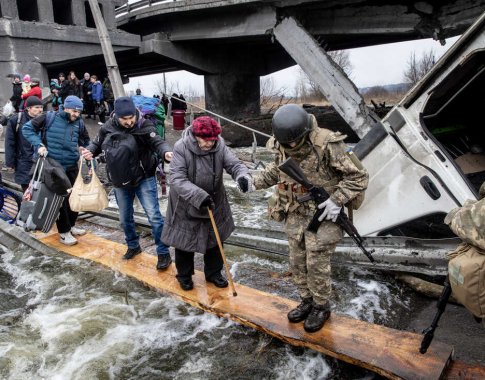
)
(67, 318)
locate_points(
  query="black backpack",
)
(122, 159)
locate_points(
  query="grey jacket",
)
(195, 174)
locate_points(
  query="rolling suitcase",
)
(42, 210)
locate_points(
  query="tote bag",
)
(88, 196)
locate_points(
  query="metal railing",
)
(130, 7)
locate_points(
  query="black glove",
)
(207, 202)
(243, 184)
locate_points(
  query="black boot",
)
(186, 283)
(164, 261)
(300, 313)
(317, 317)
(131, 252)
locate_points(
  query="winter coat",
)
(16, 97)
(86, 87)
(194, 175)
(70, 88)
(62, 138)
(97, 92)
(18, 150)
(149, 143)
(34, 91)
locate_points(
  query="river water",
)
(67, 318)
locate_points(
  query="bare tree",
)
(417, 68)
(271, 97)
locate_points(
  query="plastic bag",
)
(8, 109)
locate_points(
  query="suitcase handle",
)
(38, 172)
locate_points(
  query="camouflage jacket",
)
(468, 222)
(325, 162)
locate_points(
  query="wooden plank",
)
(463, 371)
(388, 352)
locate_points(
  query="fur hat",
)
(33, 101)
(206, 128)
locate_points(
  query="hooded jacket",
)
(194, 175)
(18, 150)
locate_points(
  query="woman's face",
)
(72, 76)
(205, 144)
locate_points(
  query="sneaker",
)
(317, 317)
(78, 231)
(131, 252)
(300, 312)
(218, 280)
(67, 238)
(164, 261)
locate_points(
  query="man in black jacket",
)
(130, 144)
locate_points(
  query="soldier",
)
(323, 158)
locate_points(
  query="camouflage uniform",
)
(325, 162)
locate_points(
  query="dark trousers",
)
(184, 262)
(67, 217)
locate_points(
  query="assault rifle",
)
(440, 305)
(319, 195)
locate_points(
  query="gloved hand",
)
(207, 202)
(42, 151)
(331, 210)
(245, 184)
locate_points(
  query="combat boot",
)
(317, 318)
(300, 312)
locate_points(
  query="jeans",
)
(146, 191)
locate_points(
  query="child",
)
(26, 84)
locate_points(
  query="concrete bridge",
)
(231, 42)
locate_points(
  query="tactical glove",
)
(331, 210)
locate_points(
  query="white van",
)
(428, 154)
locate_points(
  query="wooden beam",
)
(388, 352)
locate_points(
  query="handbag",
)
(88, 196)
(100, 109)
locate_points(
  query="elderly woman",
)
(196, 183)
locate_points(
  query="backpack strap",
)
(19, 118)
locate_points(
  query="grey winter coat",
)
(195, 174)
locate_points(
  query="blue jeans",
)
(146, 191)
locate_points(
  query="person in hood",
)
(16, 97)
(97, 98)
(131, 146)
(18, 151)
(196, 182)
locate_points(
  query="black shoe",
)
(131, 252)
(218, 280)
(300, 313)
(317, 317)
(186, 283)
(164, 261)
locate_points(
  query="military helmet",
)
(290, 123)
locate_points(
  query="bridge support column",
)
(79, 13)
(9, 8)
(46, 11)
(232, 95)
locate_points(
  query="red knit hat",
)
(206, 128)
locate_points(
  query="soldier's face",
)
(292, 144)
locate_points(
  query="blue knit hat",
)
(74, 103)
(124, 106)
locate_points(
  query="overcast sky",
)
(375, 65)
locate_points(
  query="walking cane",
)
(228, 274)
